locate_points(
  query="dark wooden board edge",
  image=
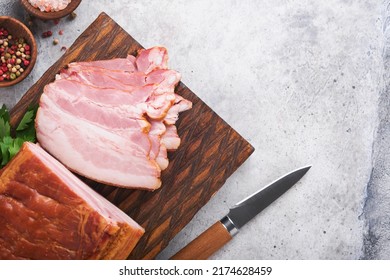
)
(210, 152)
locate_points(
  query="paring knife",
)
(222, 231)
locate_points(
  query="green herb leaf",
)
(4, 114)
(7, 140)
(15, 147)
(27, 135)
(26, 127)
(5, 129)
(25, 131)
(4, 156)
(26, 120)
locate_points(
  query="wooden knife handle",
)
(206, 244)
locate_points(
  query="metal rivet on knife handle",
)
(206, 244)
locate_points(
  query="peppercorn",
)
(72, 15)
(55, 42)
(47, 34)
(14, 55)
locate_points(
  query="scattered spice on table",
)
(15, 55)
(72, 15)
(47, 34)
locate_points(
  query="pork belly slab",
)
(114, 120)
(46, 212)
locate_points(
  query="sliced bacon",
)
(123, 118)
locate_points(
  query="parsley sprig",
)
(25, 131)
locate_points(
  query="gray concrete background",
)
(304, 82)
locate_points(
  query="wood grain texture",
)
(205, 245)
(210, 151)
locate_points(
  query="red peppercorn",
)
(27, 47)
(47, 34)
(26, 62)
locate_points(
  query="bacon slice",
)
(158, 150)
(170, 139)
(151, 59)
(116, 64)
(163, 81)
(95, 151)
(48, 213)
(180, 105)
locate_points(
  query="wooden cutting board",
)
(210, 151)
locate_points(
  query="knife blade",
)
(223, 230)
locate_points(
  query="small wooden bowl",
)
(50, 15)
(19, 30)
